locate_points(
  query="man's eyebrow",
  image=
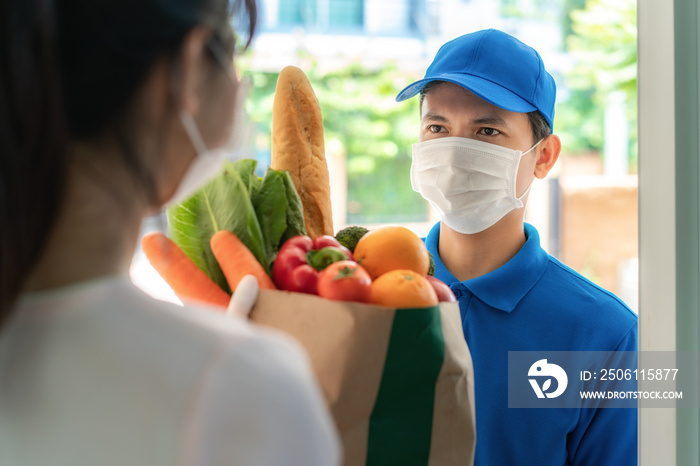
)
(490, 120)
(435, 117)
(485, 120)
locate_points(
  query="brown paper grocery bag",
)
(399, 382)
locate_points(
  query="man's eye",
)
(490, 131)
(435, 128)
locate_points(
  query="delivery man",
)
(487, 110)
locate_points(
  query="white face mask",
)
(204, 167)
(208, 162)
(470, 183)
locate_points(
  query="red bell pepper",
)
(300, 259)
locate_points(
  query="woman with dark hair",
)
(109, 109)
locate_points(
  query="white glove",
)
(244, 297)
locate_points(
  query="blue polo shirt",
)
(535, 303)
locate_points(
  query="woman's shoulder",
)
(204, 328)
(207, 386)
(253, 377)
(118, 320)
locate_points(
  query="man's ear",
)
(189, 69)
(548, 154)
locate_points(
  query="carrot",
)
(184, 277)
(236, 260)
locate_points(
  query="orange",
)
(390, 248)
(403, 288)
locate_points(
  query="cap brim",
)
(487, 90)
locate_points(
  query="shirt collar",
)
(504, 287)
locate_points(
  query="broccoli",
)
(431, 269)
(349, 236)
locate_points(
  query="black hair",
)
(424, 91)
(540, 127)
(538, 124)
(69, 70)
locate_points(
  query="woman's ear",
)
(548, 154)
(189, 70)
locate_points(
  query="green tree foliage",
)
(601, 39)
(548, 10)
(604, 45)
(362, 121)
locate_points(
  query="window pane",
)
(345, 13)
(297, 12)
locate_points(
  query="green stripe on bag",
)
(402, 419)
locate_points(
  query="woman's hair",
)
(69, 70)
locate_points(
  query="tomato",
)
(345, 281)
(443, 291)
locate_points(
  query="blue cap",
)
(496, 67)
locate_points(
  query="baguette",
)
(298, 147)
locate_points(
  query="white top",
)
(101, 374)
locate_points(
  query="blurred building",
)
(373, 31)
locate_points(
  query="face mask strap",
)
(216, 49)
(220, 55)
(193, 132)
(520, 198)
(526, 191)
(530, 149)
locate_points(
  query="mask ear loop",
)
(530, 149)
(186, 118)
(189, 126)
(224, 60)
(520, 198)
(193, 132)
(526, 191)
(234, 143)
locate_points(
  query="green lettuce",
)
(262, 212)
(295, 210)
(270, 204)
